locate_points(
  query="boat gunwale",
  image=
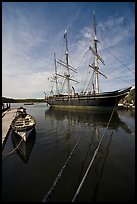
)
(23, 127)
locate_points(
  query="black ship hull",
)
(106, 99)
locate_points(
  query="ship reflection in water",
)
(24, 148)
(94, 118)
(69, 125)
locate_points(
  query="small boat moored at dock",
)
(23, 123)
(24, 148)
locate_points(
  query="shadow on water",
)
(24, 148)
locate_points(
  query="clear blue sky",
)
(33, 31)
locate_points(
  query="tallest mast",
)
(96, 58)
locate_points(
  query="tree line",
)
(130, 98)
(29, 100)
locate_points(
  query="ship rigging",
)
(86, 99)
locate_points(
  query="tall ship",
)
(89, 98)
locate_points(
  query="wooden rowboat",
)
(23, 123)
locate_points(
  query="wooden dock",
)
(7, 118)
(126, 106)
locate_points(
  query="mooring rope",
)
(8, 153)
(91, 162)
(102, 169)
(50, 192)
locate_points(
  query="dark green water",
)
(111, 177)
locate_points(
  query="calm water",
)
(111, 177)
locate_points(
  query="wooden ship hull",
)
(106, 99)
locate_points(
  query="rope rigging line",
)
(50, 192)
(122, 52)
(86, 75)
(91, 162)
(85, 52)
(120, 61)
(70, 26)
(89, 82)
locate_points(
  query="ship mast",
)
(67, 67)
(56, 74)
(96, 58)
(67, 75)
